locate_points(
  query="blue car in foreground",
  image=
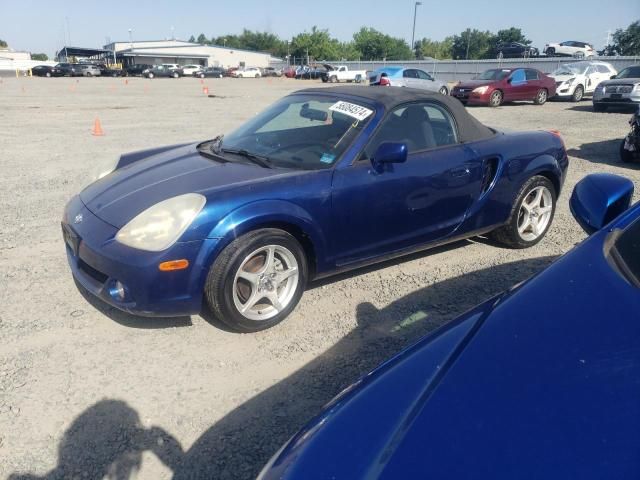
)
(540, 382)
(323, 181)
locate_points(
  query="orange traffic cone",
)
(126, 81)
(97, 128)
(201, 81)
(205, 90)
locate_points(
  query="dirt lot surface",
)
(88, 392)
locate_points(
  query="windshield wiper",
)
(255, 158)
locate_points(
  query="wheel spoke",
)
(253, 299)
(275, 301)
(252, 278)
(268, 261)
(544, 210)
(282, 276)
(526, 224)
(537, 198)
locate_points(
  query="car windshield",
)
(577, 68)
(494, 74)
(627, 252)
(302, 131)
(630, 72)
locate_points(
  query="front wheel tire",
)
(578, 94)
(257, 280)
(625, 155)
(531, 215)
(495, 100)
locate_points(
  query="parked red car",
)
(289, 72)
(500, 85)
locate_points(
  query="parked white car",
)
(575, 80)
(171, 66)
(341, 73)
(248, 72)
(190, 69)
(570, 48)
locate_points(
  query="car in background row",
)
(575, 80)
(162, 71)
(623, 89)
(137, 69)
(406, 77)
(516, 388)
(630, 146)
(290, 71)
(69, 69)
(311, 73)
(498, 85)
(108, 71)
(247, 72)
(209, 72)
(271, 72)
(515, 50)
(89, 70)
(188, 70)
(569, 49)
(342, 73)
(46, 71)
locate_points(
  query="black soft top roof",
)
(469, 129)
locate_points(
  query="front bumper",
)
(616, 96)
(467, 95)
(98, 262)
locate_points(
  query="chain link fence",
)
(454, 70)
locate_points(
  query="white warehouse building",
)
(155, 52)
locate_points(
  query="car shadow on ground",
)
(128, 319)
(604, 152)
(108, 439)
(612, 109)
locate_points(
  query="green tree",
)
(202, 39)
(472, 44)
(316, 44)
(511, 35)
(3, 44)
(42, 57)
(434, 49)
(192, 39)
(375, 45)
(627, 41)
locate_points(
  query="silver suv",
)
(90, 71)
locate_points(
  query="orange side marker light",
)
(172, 265)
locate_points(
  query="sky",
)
(47, 25)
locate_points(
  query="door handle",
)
(460, 172)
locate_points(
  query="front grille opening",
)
(97, 275)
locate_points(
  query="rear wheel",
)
(202, 75)
(257, 75)
(48, 74)
(257, 280)
(333, 79)
(175, 75)
(541, 97)
(578, 94)
(551, 52)
(495, 100)
(531, 215)
(150, 75)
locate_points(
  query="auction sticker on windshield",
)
(351, 109)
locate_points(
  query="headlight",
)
(481, 90)
(636, 86)
(160, 226)
(570, 81)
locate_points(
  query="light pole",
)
(130, 39)
(415, 12)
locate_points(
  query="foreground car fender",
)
(270, 213)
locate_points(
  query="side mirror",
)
(389, 152)
(599, 198)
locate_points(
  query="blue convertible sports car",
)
(540, 382)
(322, 181)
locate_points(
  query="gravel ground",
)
(87, 392)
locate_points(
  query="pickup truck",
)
(341, 73)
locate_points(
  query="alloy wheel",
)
(535, 213)
(265, 282)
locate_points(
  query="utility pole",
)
(466, 57)
(413, 35)
(130, 39)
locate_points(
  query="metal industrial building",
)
(155, 52)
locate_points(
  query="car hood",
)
(129, 190)
(565, 77)
(475, 83)
(620, 81)
(548, 371)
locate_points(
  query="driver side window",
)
(420, 126)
